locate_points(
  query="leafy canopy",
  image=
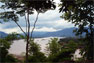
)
(21, 7)
(81, 13)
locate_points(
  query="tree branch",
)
(34, 25)
(21, 28)
(26, 22)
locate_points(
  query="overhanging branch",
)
(21, 28)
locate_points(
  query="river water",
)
(19, 46)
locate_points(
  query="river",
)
(19, 46)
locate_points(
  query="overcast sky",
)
(48, 21)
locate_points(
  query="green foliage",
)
(4, 56)
(72, 45)
(87, 50)
(4, 47)
(21, 36)
(53, 46)
(39, 57)
(63, 55)
(11, 59)
(34, 48)
(8, 16)
(34, 53)
(68, 39)
(4, 44)
(12, 36)
(81, 13)
(62, 52)
(20, 7)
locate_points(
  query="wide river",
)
(19, 46)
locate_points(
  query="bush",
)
(34, 53)
(64, 53)
(39, 57)
(4, 56)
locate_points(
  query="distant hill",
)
(39, 34)
(68, 32)
(3, 34)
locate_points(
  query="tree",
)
(34, 48)
(53, 46)
(81, 13)
(25, 8)
(53, 49)
(35, 55)
(62, 52)
(4, 56)
(12, 36)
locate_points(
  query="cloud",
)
(62, 23)
(8, 25)
(40, 26)
(47, 16)
(16, 29)
(44, 20)
(48, 21)
(43, 29)
(57, 24)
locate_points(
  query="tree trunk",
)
(28, 37)
(92, 42)
(27, 44)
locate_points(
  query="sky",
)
(49, 21)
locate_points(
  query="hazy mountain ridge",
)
(3, 34)
(68, 32)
